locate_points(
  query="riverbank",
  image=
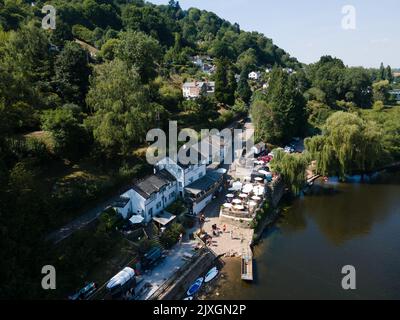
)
(301, 255)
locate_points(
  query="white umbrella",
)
(243, 195)
(227, 205)
(258, 179)
(247, 188)
(256, 198)
(237, 185)
(239, 207)
(136, 219)
(263, 172)
(238, 201)
(252, 203)
(229, 195)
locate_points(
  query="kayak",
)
(195, 286)
(211, 275)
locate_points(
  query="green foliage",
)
(141, 52)
(280, 115)
(171, 235)
(69, 136)
(292, 167)
(381, 91)
(72, 73)
(349, 144)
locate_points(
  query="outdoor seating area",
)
(244, 198)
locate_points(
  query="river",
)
(301, 257)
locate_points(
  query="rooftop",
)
(205, 183)
(153, 184)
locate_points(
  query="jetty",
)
(247, 266)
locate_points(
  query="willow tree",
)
(349, 144)
(292, 167)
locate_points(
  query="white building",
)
(193, 90)
(200, 193)
(149, 196)
(254, 75)
(185, 174)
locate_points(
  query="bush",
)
(171, 236)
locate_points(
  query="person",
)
(180, 238)
(224, 228)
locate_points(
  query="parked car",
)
(85, 292)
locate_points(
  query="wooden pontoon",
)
(247, 266)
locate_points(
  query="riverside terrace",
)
(243, 202)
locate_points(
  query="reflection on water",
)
(335, 225)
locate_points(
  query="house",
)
(148, 197)
(395, 94)
(215, 147)
(254, 75)
(193, 90)
(200, 193)
(185, 174)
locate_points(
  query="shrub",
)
(171, 236)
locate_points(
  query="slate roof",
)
(204, 184)
(153, 184)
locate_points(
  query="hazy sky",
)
(308, 29)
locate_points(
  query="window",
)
(151, 211)
(159, 205)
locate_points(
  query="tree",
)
(225, 82)
(348, 144)
(380, 91)
(72, 73)
(244, 90)
(140, 51)
(292, 167)
(70, 138)
(121, 110)
(283, 116)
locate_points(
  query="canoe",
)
(211, 275)
(195, 287)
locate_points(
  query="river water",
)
(339, 224)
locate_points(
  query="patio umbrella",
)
(247, 188)
(238, 201)
(136, 219)
(258, 179)
(229, 195)
(239, 207)
(237, 186)
(227, 205)
(263, 172)
(256, 198)
(252, 203)
(243, 195)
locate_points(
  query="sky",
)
(309, 29)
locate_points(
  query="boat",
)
(195, 286)
(188, 298)
(211, 275)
